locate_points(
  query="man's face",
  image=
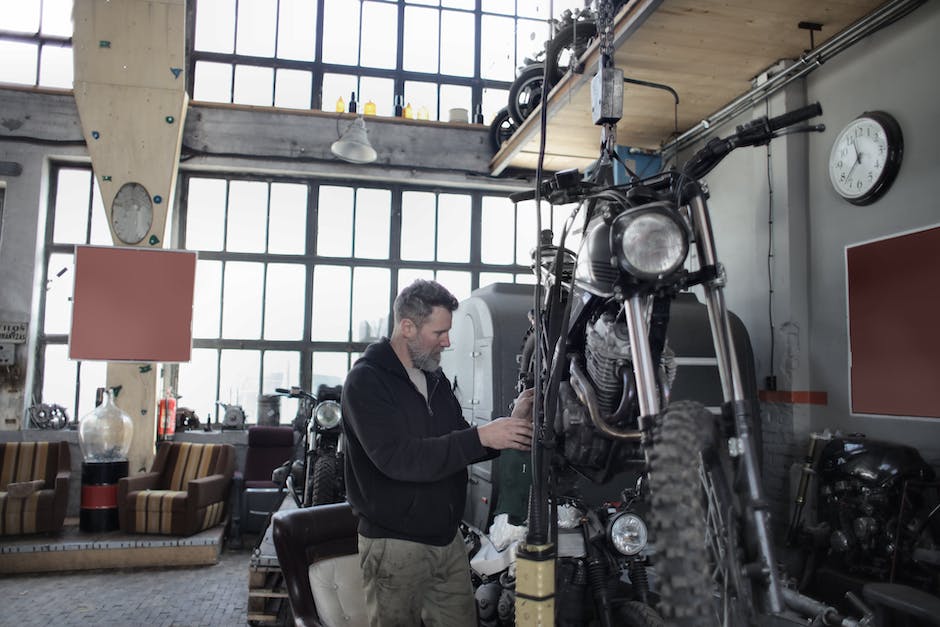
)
(427, 342)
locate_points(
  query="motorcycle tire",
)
(563, 49)
(325, 470)
(636, 614)
(525, 93)
(501, 129)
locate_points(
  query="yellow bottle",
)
(369, 108)
(409, 112)
(423, 113)
(340, 105)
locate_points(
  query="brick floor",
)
(211, 596)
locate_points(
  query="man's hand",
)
(513, 432)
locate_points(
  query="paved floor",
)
(211, 596)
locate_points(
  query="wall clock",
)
(866, 157)
(131, 213)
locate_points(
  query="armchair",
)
(34, 486)
(184, 492)
(317, 548)
(257, 495)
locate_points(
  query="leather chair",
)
(34, 486)
(268, 448)
(184, 492)
(317, 548)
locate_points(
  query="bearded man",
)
(407, 452)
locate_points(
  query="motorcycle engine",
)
(606, 353)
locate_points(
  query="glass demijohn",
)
(105, 432)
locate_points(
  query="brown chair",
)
(184, 492)
(317, 548)
(258, 495)
(34, 486)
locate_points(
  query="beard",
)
(427, 360)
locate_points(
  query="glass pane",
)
(498, 6)
(456, 96)
(379, 38)
(56, 18)
(417, 226)
(55, 67)
(247, 216)
(253, 85)
(526, 278)
(496, 232)
(378, 90)
(297, 26)
(422, 95)
(94, 375)
(197, 384)
(284, 301)
(330, 303)
(526, 231)
(407, 276)
(457, 41)
(421, 39)
(207, 303)
(329, 369)
(58, 378)
(334, 221)
(493, 101)
(534, 8)
(212, 82)
(215, 26)
(340, 30)
(373, 216)
(18, 62)
(457, 282)
(453, 231)
(336, 86)
(241, 300)
(205, 214)
(100, 231)
(459, 4)
(71, 206)
(25, 19)
(430, 3)
(239, 373)
(370, 304)
(59, 282)
(257, 26)
(487, 278)
(281, 369)
(287, 221)
(530, 39)
(497, 60)
(292, 89)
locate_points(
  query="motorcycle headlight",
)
(627, 532)
(649, 242)
(328, 414)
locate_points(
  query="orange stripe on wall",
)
(797, 397)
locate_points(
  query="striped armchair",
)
(34, 486)
(185, 491)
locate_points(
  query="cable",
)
(771, 378)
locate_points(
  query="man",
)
(407, 452)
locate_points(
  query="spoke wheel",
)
(525, 93)
(564, 49)
(501, 129)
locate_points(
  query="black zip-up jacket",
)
(406, 459)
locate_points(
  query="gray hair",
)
(416, 301)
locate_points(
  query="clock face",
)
(132, 213)
(865, 157)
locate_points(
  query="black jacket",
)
(406, 459)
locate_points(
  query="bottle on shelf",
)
(369, 108)
(478, 115)
(399, 110)
(423, 113)
(340, 105)
(409, 112)
(353, 105)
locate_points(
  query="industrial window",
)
(35, 43)
(295, 277)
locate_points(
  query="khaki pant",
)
(409, 582)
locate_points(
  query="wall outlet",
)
(7, 353)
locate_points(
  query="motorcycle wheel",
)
(562, 50)
(636, 614)
(501, 129)
(325, 471)
(525, 93)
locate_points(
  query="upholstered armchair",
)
(317, 548)
(258, 495)
(34, 486)
(184, 492)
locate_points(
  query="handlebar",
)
(295, 392)
(794, 117)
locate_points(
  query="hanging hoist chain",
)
(607, 84)
(605, 28)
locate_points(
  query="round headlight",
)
(650, 242)
(328, 414)
(628, 533)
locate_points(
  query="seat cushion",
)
(336, 584)
(28, 461)
(30, 514)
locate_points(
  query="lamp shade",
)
(354, 145)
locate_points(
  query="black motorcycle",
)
(316, 475)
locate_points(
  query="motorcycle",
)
(316, 475)
(604, 373)
(876, 517)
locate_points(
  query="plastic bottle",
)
(369, 108)
(478, 115)
(353, 105)
(409, 112)
(423, 113)
(340, 105)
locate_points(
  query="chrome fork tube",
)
(636, 310)
(734, 396)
